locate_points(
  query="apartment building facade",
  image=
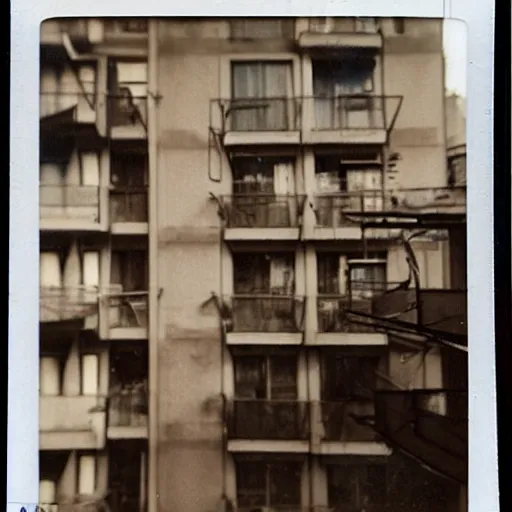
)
(198, 260)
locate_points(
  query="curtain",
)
(369, 182)
(91, 269)
(332, 82)
(285, 209)
(49, 270)
(90, 374)
(281, 276)
(49, 377)
(87, 475)
(260, 81)
(90, 167)
(72, 268)
(283, 378)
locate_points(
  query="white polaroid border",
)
(23, 396)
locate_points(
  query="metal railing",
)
(54, 102)
(267, 313)
(69, 202)
(128, 309)
(430, 199)
(129, 407)
(260, 114)
(268, 419)
(330, 208)
(331, 311)
(129, 204)
(263, 210)
(67, 303)
(353, 112)
(345, 25)
(336, 421)
(127, 110)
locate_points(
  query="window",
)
(89, 163)
(129, 177)
(262, 29)
(341, 90)
(261, 377)
(273, 484)
(399, 25)
(367, 279)
(131, 25)
(264, 273)
(73, 268)
(348, 377)
(367, 25)
(261, 94)
(130, 270)
(128, 91)
(86, 475)
(90, 374)
(49, 376)
(356, 486)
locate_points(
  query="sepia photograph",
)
(253, 265)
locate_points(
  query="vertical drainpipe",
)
(152, 493)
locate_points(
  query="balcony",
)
(263, 216)
(430, 425)
(268, 425)
(441, 310)
(330, 209)
(338, 34)
(72, 422)
(336, 431)
(63, 109)
(127, 315)
(349, 119)
(334, 328)
(260, 121)
(69, 208)
(127, 116)
(69, 304)
(429, 208)
(128, 413)
(78, 30)
(266, 319)
(129, 210)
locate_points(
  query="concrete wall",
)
(193, 60)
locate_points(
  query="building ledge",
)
(267, 446)
(264, 338)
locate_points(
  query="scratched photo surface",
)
(253, 265)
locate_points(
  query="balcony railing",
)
(330, 208)
(335, 421)
(60, 303)
(332, 309)
(67, 413)
(84, 105)
(353, 112)
(430, 199)
(439, 439)
(129, 407)
(267, 313)
(268, 419)
(129, 204)
(126, 110)
(73, 202)
(263, 210)
(328, 25)
(440, 310)
(128, 309)
(260, 114)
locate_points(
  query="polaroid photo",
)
(257, 289)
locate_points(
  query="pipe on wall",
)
(153, 342)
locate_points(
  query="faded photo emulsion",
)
(253, 265)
